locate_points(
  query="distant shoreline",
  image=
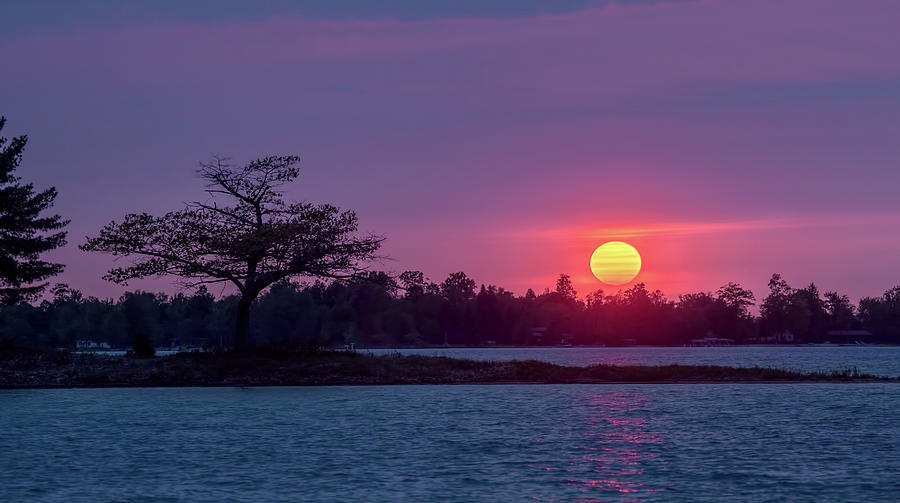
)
(848, 381)
(591, 346)
(54, 370)
(169, 352)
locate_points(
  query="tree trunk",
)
(242, 328)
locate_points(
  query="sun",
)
(615, 263)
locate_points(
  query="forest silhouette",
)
(409, 310)
(303, 270)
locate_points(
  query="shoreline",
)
(474, 383)
(638, 346)
(35, 369)
(164, 351)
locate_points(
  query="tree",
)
(253, 240)
(564, 287)
(807, 313)
(380, 279)
(698, 314)
(882, 315)
(593, 299)
(413, 283)
(839, 310)
(736, 298)
(732, 316)
(775, 307)
(24, 233)
(458, 288)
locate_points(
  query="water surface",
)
(710, 442)
(877, 360)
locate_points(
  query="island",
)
(32, 368)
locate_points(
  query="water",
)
(588, 443)
(876, 360)
(123, 352)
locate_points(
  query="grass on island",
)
(40, 368)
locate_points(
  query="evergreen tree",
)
(564, 287)
(24, 232)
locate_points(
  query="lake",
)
(877, 360)
(587, 443)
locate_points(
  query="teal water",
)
(587, 443)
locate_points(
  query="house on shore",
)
(712, 342)
(86, 344)
(848, 336)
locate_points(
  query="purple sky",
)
(726, 140)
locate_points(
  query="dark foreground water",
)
(877, 360)
(711, 442)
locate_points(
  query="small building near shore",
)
(86, 344)
(783, 337)
(712, 342)
(848, 336)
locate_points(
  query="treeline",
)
(410, 310)
(246, 234)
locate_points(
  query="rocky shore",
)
(48, 369)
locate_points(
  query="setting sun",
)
(615, 263)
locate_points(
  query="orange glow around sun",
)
(615, 263)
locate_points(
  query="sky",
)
(726, 140)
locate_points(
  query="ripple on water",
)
(790, 442)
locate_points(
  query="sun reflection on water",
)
(617, 446)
